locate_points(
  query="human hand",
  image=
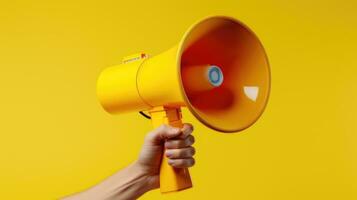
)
(143, 175)
(174, 142)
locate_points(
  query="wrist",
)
(148, 179)
(127, 184)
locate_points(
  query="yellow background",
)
(55, 139)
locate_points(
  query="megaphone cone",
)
(219, 71)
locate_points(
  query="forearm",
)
(127, 184)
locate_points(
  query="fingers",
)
(187, 129)
(179, 150)
(165, 132)
(179, 143)
(180, 153)
(184, 140)
(182, 163)
(162, 133)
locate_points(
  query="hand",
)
(143, 175)
(174, 142)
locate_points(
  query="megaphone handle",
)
(171, 179)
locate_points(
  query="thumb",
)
(162, 133)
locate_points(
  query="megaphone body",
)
(219, 71)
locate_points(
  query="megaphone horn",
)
(219, 71)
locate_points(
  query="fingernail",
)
(170, 162)
(168, 154)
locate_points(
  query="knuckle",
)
(188, 141)
(191, 140)
(181, 153)
(177, 144)
(191, 128)
(193, 151)
(187, 153)
(188, 125)
(192, 161)
(189, 162)
(149, 136)
(182, 143)
(183, 162)
(186, 130)
(163, 127)
(184, 153)
(171, 145)
(167, 144)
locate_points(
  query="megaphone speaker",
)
(219, 71)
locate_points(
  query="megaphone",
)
(219, 71)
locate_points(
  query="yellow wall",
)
(55, 138)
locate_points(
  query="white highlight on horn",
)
(251, 92)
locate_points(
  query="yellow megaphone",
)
(219, 71)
